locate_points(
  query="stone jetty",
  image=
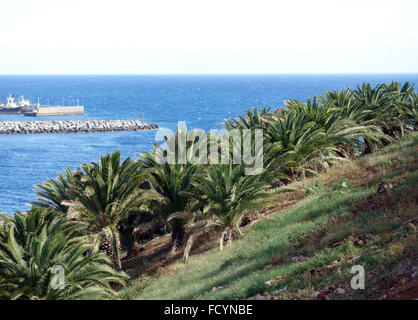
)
(73, 126)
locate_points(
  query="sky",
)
(208, 37)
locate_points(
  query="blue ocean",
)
(203, 101)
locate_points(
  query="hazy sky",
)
(193, 36)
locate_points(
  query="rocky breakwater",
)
(73, 126)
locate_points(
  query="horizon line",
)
(206, 74)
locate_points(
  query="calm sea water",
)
(202, 101)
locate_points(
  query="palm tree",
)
(133, 223)
(173, 182)
(228, 195)
(54, 191)
(108, 192)
(253, 119)
(394, 115)
(412, 112)
(386, 106)
(31, 223)
(33, 248)
(295, 144)
(369, 97)
(313, 109)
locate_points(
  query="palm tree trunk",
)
(189, 245)
(177, 238)
(292, 176)
(106, 247)
(229, 237)
(325, 166)
(221, 241)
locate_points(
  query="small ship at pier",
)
(24, 107)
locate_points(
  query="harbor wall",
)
(46, 111)
(73, 126)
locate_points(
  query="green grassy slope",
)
(330, 229)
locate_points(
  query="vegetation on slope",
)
(308, 251)
(37, 248)
(106, 206)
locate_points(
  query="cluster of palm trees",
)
(84, 219)
(41, 257)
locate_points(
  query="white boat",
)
(26, 108)
(11, 106)
(24, 102)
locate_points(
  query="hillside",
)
(315, 231)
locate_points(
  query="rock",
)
(62, 126)
(298, 259)
(414, 275)
(260, 297)
(384, 187)
(411, 227)
(404, 267)
(340, 291)
(214, 289)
